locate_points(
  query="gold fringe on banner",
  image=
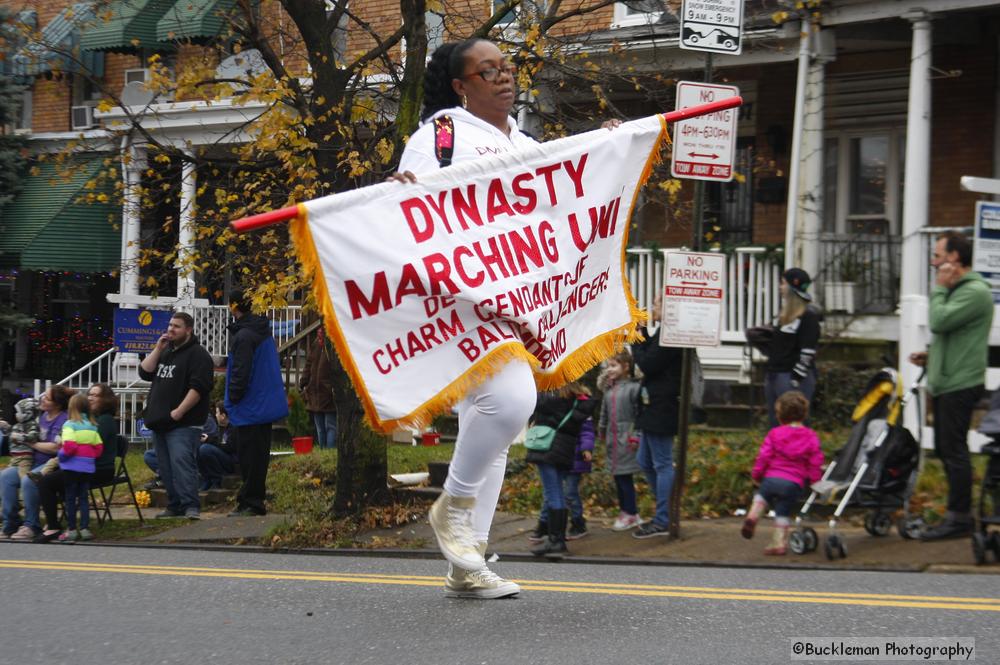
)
(570, 368)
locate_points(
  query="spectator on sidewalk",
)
(959, 317)
(208, 435)
(316, 385)
(616, 427)
(255, 399)
(217, 455)
(54, 404)
(567, 411)
(180, 371)
(102, 405)
(791, 356)
(789, 461)
(659, 409)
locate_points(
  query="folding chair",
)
(121, 476)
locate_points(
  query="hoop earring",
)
(465, 102)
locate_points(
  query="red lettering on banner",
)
(410, 284)
(496, 201)
(602, 224)
(420, 233)
(466, 207)
(423, 339)
(471, 282)
(524, 193)
(576, 173)
(546, 172)
(380, 296)
(439, 273)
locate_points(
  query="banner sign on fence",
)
(137, 330)
(693, 294)
(427, 288)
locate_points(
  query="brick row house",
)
(884, 103)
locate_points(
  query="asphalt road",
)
(91, 604)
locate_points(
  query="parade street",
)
(110, 605)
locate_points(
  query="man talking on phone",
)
(960, 316)
(180, 371)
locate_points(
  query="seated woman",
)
(102, 406)
(53, 404)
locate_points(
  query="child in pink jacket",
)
(789, 461)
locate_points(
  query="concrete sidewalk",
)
(705, 542)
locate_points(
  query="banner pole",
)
(273, 217)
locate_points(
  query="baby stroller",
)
(876, 469)
(988, 513)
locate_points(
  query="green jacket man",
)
(960, 316)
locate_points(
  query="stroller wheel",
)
(881, 523)
(812, 540)
(797, 542)
(910, 528)
(994, 543)
(834, 547)
(979, 548)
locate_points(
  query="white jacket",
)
(474, 138)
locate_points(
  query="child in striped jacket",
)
(81, 446)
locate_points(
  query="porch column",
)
(133, 164)
(912, 289)
(792, 255)
(186, 235)
(810, 213)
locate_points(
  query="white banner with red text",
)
(426, 289)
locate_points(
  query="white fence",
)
(752, 296)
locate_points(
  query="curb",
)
(519, 557)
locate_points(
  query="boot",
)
(554, 546)
(451, 519)
(482, 583)
(539, 533)
(577, 528)
(779, 541)
(750, 523)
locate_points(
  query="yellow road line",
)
(613, 589)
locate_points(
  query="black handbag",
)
(760, 338)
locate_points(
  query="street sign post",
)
(704, 147)
(712, 25)
(986, 245)
(693, 293)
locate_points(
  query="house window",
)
(435, 31)
(637, 12)
(22, 120)
(863, 188)
(507, 18)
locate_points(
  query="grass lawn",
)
(302, 487)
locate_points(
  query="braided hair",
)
(446, 64)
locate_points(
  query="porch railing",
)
(859, 273)
(752, 279)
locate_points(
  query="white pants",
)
(489, 418)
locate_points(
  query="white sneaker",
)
(451, 519)
(24, 533)
(482, 583)
(624, 522)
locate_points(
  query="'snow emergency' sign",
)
(704, 147)
(693, 296)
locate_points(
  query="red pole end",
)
(265, 219)
(703, 109)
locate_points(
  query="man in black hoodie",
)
(659, 410)
(255, 398)
(180, 371)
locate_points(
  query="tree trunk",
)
(411, 91)
(361, 453)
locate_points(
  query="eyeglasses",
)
(491, 74)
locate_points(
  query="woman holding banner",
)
(468, 97)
